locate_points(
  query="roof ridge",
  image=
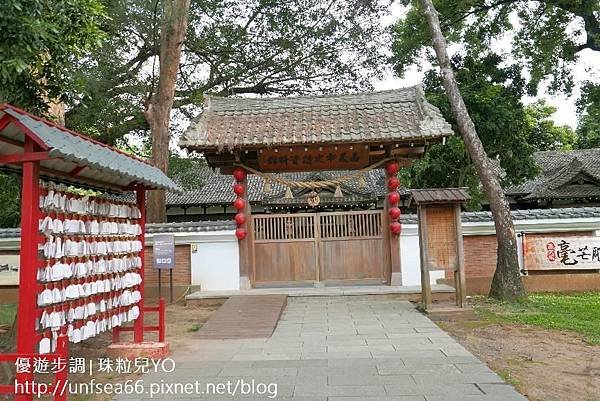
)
(216, 103)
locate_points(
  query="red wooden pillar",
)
(138, 325)
(30, 213)
(392, 216)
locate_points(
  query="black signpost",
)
(164, 259)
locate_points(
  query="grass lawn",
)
(574, 312)
(7, 313)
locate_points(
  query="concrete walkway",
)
(341, 349)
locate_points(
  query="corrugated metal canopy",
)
(439, 195)
(75, 158)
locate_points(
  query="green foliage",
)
(575, 312)
(509, 131)
(10, 199)
(544, 37)
(194, 328)
(184, 171)
(40, 38)
(7, 314)
(543, 133)
(588, 129)
(232, 47)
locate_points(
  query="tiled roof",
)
(386, 116)
(217, 189)
(439, 195)
(69, 150)
(10, 232)
(564, 175)
(525, 214)
(193, 226)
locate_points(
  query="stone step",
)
(440, 293)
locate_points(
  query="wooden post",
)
(319, 273)
(247, 244)
(424, 252)
(461, 282)
(138, 325)
(161, 320)
(26, 316)
(395, 275)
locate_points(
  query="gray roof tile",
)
(564, 174)
(195, 226)
(439, 195)
(69, 149)
(217, 189)
(400, 114)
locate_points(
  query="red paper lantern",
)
(238, 189)
(240, 233)
(394, 213)
(239, 174)
(239, 204)
(240, 219)
(394, 198)
(392, 167)
(395, 228)
(393, 183)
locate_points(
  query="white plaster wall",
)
(216, 264)
(410, 258)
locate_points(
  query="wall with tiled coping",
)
(207, 253)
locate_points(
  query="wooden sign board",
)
(327, 157)
(441, 236)
(561, 253)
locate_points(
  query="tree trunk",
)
(158, 108)
(507, 283)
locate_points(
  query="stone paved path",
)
(342, 349)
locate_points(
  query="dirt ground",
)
(181, 322)
(542, 364)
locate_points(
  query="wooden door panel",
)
(305, 247)
(352, 259)
(285, 261)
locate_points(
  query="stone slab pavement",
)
(333, 349)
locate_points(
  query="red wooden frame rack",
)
(34, 152)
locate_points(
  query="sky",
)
(587, 68)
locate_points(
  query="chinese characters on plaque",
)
(346, 157)
(549, 253)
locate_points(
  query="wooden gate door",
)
(351, 247)
(304, 248)
(285, 249)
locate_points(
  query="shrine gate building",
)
(352, 133)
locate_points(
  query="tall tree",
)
(232, 47)
(510, 131)
(158, 107)
(545, 37)
(40, 39)
(588, 128)
(507, 283)
(10, 212)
